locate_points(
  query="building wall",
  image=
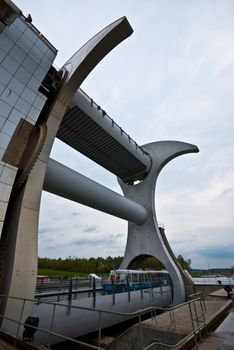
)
(25, 58)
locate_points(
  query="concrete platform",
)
(172, 327)
(222, 338)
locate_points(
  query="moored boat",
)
(131, 291)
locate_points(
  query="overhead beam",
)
(106, 142)
(69, 184)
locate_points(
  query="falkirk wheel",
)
(42, 103)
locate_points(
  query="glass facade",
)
(25, 58)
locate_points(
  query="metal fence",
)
(197, 324)
(60, 290)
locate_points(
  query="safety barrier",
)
(197, 325)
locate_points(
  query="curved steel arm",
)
(90, 54)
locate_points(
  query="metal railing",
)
(69, 290)
(114, 124)
(197, 325)
(61, 283)
(196, 322)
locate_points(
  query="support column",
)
(146, 239)
(20, 230)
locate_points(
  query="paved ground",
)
(180, 322)
(222, 338)
(183, 323)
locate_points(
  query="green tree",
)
(185, 264)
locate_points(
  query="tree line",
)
(100, 265)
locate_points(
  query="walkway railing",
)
(114, 124)
(197, 325)
(91, 288)
(61, 283)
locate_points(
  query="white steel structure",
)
(39, 103)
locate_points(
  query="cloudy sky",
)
(171, 80)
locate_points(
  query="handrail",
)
(117, 313)
(104, 114)
(66, 292)
(54, 334)
(196, 329)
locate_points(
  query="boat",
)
(130, 291)
(124, 280)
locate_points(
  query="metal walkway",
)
(88, 129)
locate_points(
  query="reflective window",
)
(29, 95)
(2, 150)
(17, 54)
(40, 73)
(5, 189)
(2, 55)
(5, 76)
(41, 45)
(36, 54)
(16, 86)
(3, 208)
(5, 109)
(12, 32)
(122, 277)
(2, 121)
(22, 106)
(23, 75)
(33, 114)
(30, 64)
(1, 169)
(15, 116)
(5, 43)
(50, 54)
(24, 43)
(46, 63)
(2, 88)
(9, 96)
(30, 35)
(19, 24)
(4, 140)
(10, 65)
(34, 84)
(135, 278)
(8, 175)
(39, 102)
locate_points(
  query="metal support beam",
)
(20, 229)
(69, 184)
(147, 239)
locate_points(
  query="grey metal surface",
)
(88, 129)
(146, 239)
(77, 322)
(69, 184)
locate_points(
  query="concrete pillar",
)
(146, 239)
(20, 229)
